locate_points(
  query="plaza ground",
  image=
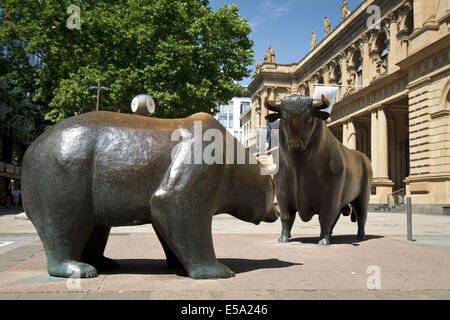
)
(264, 269)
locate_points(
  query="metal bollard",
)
(409, 218)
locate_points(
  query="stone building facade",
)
(393, 103)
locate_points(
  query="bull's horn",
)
(317, 103)
(271, 105)
(321, 103)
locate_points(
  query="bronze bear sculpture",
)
(98, 170)
(317, 174)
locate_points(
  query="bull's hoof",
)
(283, 239)
(324, 242)
(360, 237)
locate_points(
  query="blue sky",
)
(286, 24)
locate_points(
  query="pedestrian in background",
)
(8, 195)
(16, 197)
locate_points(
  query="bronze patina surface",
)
(99, 170)
(317, 174)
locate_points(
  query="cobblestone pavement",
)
(265, 269)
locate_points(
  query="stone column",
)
(373, 53)
(394, 44)
(312, 85)
(269, 92)
(351, 132)
(345, 134)
(382, 145)
(343, 66)
(255, 102)
(379, 154)
(374, 142)
(331, 70)
(366, 60)
(404, 45)
(325, 75)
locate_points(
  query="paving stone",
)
(9, 296)
(117, 296)
(265, 269)
(51, 296)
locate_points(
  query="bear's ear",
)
(272, 117)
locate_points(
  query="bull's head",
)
(300, 116)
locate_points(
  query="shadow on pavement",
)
(247, 265)
(6, 211)
(159, 266)
(142, 266)
(340, 239)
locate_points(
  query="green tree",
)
(181, 52)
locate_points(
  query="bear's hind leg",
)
(64, 244)
(95, 248)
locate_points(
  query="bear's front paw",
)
(210, 271)
(71, 269)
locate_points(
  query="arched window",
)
(357, 59)
(409, 22)
(357, 62)
(338, 75)
(447, 101)
(321, 80)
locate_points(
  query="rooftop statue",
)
(257, 70)
(344, 9)
(313, 40)
(269, 57)
(327, 25)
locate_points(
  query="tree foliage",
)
(181, 52)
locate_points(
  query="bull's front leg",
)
(287, 221)
(328, 214)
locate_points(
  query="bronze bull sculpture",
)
(317, 174)
(99, 170)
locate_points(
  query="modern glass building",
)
(229, 115)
